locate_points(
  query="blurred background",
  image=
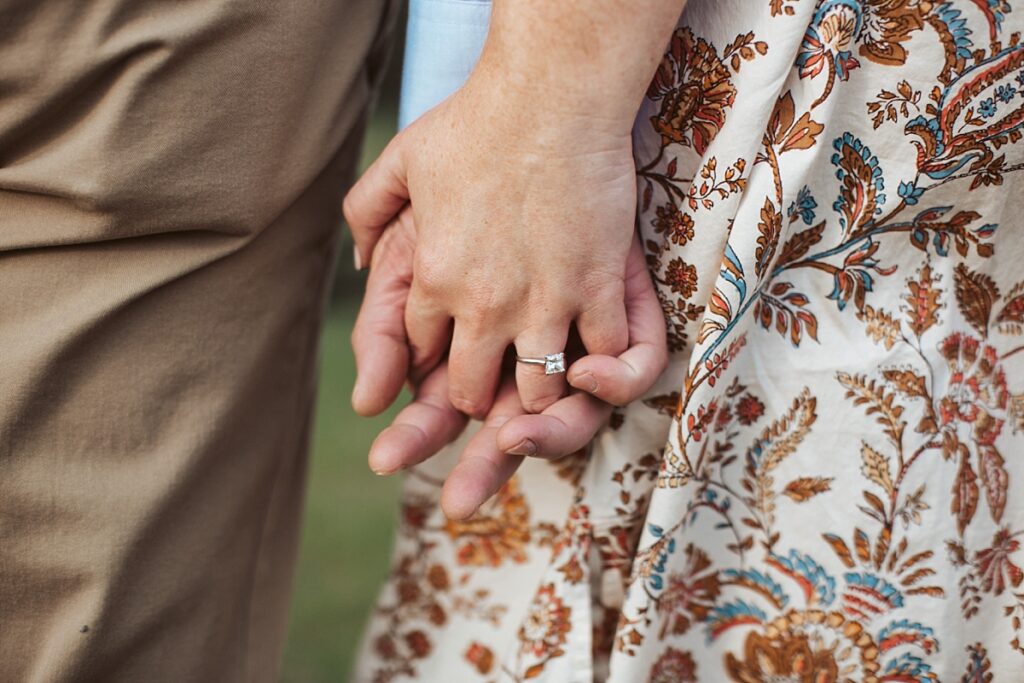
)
(350, 512)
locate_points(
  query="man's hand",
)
(430, 422)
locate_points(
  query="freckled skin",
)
(523, 190)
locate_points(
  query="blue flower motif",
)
(1020, 80)
(910, 193)
(882, 589)
(758, 578)
(907, 667)
(803, 206)
(837, 22)
(987, 108)
(807, 569)
(908, 630)
(1006, 92)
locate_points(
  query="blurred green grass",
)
(350, 516)
(350, 512)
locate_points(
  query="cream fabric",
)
(826, 483)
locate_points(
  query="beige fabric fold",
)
(170, 185)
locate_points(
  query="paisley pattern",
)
(826, 483)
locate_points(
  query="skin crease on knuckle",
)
(540, 403)
(469, 407)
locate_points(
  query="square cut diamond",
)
(554, 363)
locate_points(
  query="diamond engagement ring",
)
(554, 363)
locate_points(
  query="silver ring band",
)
(554, 363)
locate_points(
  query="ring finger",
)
(540, 365)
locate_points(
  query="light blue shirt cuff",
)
(443, 41)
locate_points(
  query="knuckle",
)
(601, 287)
(538, 404)
(432, 277)
(607, 341)
(357, 336)
(467, 405)
(348, 210)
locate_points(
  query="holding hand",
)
(534, 238)
(430, 422)
(517, 198)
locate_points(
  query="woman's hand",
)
(524, 225)
(523, 189)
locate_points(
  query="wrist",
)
(540, 116)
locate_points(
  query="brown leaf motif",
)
(1013, 310)
(876, 467)
(881, 327)
(770, 228)
(965, 492)
(995, 480)
(780, 440)
(805, 488)
(782, 130)
(797, 246)
(922, 301)
(786, 307)
(976, 293)
(907, 382)
(879, 403)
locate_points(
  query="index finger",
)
(379, 338)
(483, 468)
(375, 199)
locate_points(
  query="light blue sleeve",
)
(443, 41)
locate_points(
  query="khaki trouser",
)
(170, 183)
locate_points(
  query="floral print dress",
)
(828, 482)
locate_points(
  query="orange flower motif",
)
(674, 223)
(499, 532)
(786, 657)
(802, 647)
(750, 409)
(695, 91)
(546, 625)
(481, 657)
(994, 564)
(689, 596)
(681, 277)
(977, 387)
(674, 666)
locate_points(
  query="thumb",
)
(623, 379)
(376, 199)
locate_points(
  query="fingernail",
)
(357, 259)
(586, 382)
(524, 447)
(380, 471)
(385, 472)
